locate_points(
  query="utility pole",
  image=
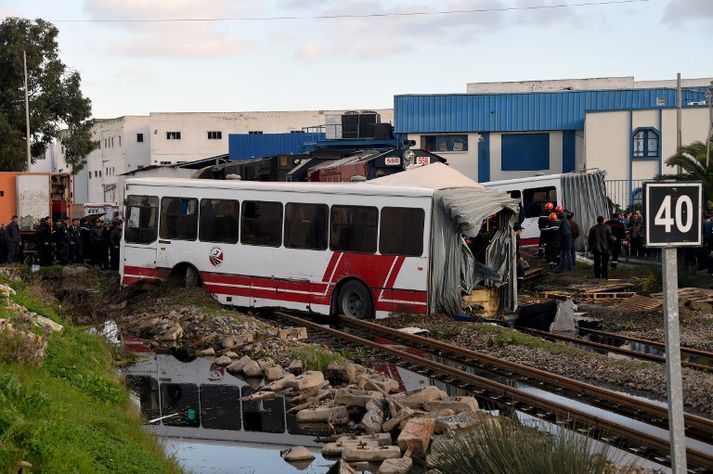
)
(27, 111)
(679, 106)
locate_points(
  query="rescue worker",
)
(84, 226)
(99, 245)
(542, 223)
(3, 244)
(619, 233)
(576, 232)
(517, 228)
(115, 242)
(76, 242)
(552, 240)
(599, 240)
(44, 242)
(61, 241)
(13, 239)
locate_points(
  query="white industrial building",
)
(133, 142)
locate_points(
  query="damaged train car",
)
(413, 242)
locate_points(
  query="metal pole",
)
(674, 383)
(710, 123)
(679, 105)
(27, 112)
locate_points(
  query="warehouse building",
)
(512, 130)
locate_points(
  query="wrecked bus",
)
(583, 193)
(394, 244)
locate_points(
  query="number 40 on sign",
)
(673, 214)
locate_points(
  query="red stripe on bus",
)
(129, 280)
(407, 295)
(330, 266)
(144, 271)
(533, 242)
(224, 279)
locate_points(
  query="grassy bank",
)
(71, 413)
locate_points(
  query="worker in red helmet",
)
(542, 223)
(552, 240)
(559, 210)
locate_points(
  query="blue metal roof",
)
(532, 111)
(258, 145)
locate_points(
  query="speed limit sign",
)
(673, 214)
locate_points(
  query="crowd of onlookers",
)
(63, 242)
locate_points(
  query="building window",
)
(444, 143)
(215, 135)
(525, 152)
(173, 135)
(646, 143)
(139, 137)
(255, 132)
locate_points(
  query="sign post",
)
(672, 219)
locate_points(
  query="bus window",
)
(141, 219)
(354, 228)
(179, 218)
(306, 226)
(401, 231)
(261, 223)
(515, 194)
(219, 220)
(536, 198)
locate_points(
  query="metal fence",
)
(624, 193)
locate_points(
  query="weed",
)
(315, 357)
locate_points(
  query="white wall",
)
(465, 162)
(608, 139)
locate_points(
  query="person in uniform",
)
(553, 241)
(599, 240)
(61, 241)
(115, 242)
(542, 224)
(99, 245)
(44, 242)
(619, 233)
(13, 239)
(76, 242)
(566, 263)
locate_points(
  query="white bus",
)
(359, 249)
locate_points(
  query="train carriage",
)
(393, 244)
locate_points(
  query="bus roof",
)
(534, 179)
(363, 188)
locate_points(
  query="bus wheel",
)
(192, 279)
(354, 300)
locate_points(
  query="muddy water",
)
(195, 409)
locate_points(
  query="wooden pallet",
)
(640, 303)
(699, 299)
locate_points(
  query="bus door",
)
(140, 233)
(178, 231)
(533, 204)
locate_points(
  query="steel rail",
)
(697, 427)
(656, 344)
(629, 438)
(610, 348)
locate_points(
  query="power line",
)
(345, 16)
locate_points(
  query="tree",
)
(58, 110)
(692, 160)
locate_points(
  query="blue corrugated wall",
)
(246, 146)
(522, 112)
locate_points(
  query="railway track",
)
(615, 433)
(620, 350)
(659, 345)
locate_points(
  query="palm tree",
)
(692, 161)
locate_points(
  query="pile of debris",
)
(23, 333)
(386, 428)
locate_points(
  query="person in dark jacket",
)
(115, 242)
(44, 242)
(3, 244)
(76, 242)
(542, 223)
(86, 240)
(61, 241)
(99, 245)
(567, 244)
(619, 232)
(576, 232)
(599, 240)
(13, 238)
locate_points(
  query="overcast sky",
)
(137, 68)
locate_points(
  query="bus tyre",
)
(354, 300)
(191, 279)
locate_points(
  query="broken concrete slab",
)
(341, 467)
(299, 334)
(353, 397)
(297, 453)
(274, 373)
(232, 355)
(324, 414)
(173, 333)
(373, 418)
(396, 466)
(223, 361)
(370, 454)
(403, 415)
(280, 384)
(266, 363)
(416, 398)
(307, 380)
(457, 404)
(295, 367)
(379, 383)
(417, 434)
(237, 366)
(461, 421)
(47, 323)
(233, 342)
(210, 352)
(382, 439)
(262, 395)
(335, 449)
(252, 369)
(343, 372)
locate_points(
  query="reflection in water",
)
(198, 412)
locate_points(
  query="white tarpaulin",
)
(460, 205)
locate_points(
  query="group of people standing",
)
(65, 242)
(558, 233)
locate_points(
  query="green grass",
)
(315, 357)
(72, 414)
(498, 336)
